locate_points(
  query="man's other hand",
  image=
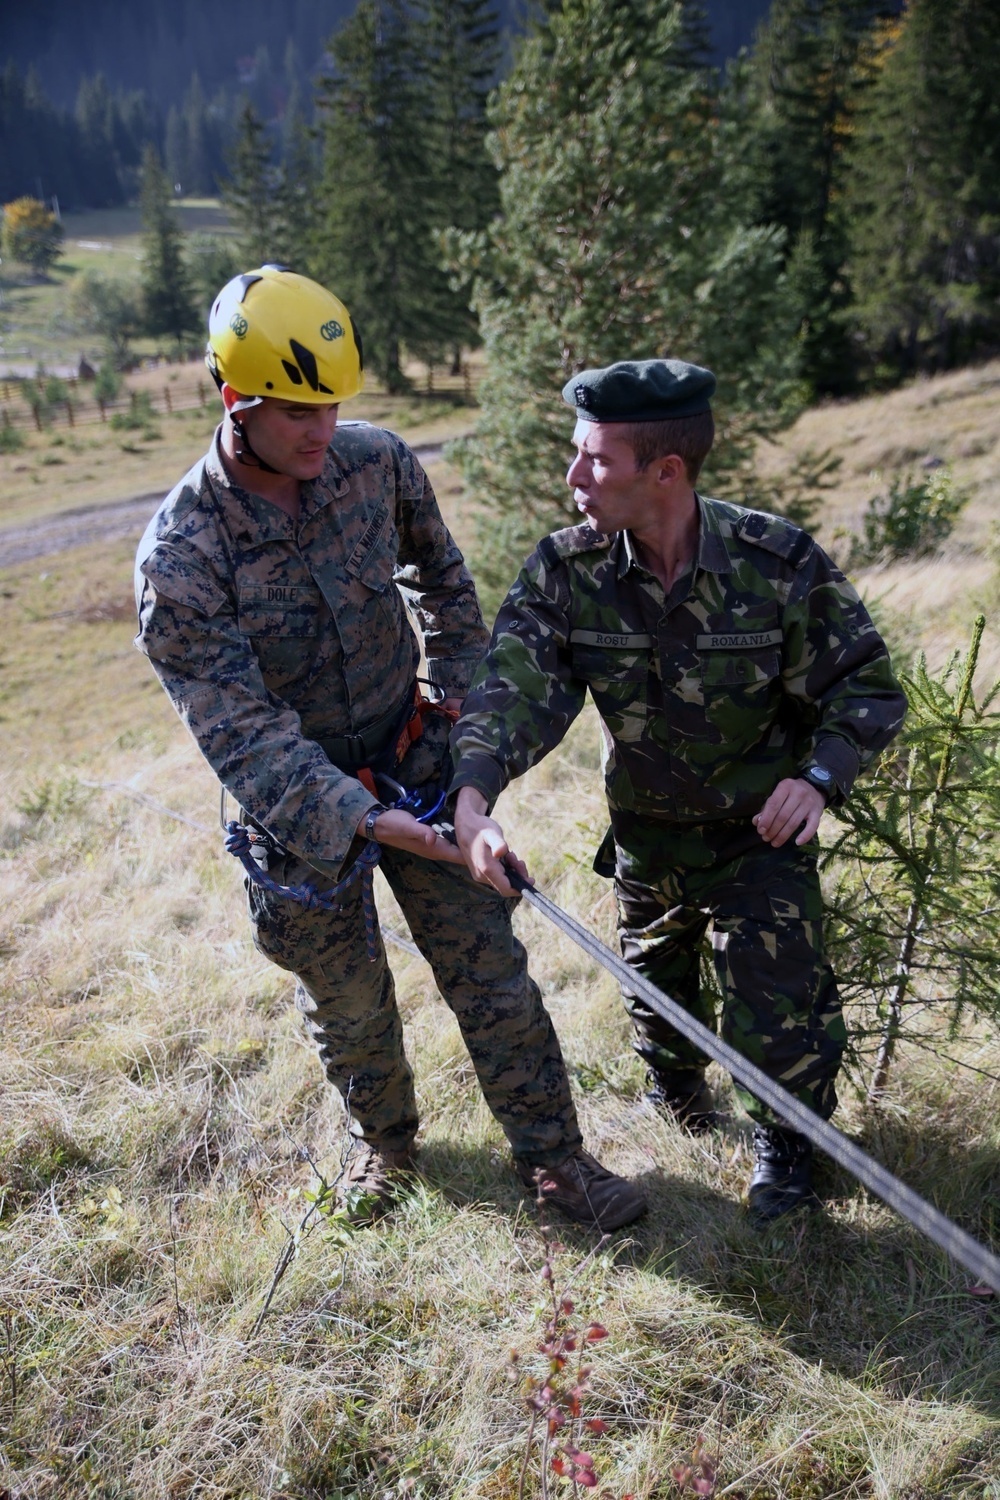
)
(793, 805)
(482, 842)
(400, 830)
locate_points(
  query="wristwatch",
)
(373, 815)
(819, 777)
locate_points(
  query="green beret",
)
(640, 390)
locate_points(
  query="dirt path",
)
(103, 523)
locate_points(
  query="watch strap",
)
(374, 813)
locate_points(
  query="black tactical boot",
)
(685, 1097)
(782, 1177)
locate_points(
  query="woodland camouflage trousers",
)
(349, 1003)
(780, 1006)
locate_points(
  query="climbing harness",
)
(934, 1224)
(421, 803)
(240, 841)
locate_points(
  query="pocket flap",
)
(175, 576)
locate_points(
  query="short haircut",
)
(691, 438)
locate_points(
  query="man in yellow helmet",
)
(269, 593)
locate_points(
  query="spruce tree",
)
(463, 57)
(168, 309)
(617, 240)
(175, 149)
(95, 118)
(375, 247)
(925, 191)
(789, 110)
(253, 193)
(299, 189)
(199, 140)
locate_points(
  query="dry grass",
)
(157, 1099)
(953, 417)
(63, 468)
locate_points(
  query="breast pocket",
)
(742, 690)
(618, 680)
(285, 611)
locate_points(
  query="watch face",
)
(819, 773)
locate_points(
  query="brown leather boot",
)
(582, 1189)
(372, 1178)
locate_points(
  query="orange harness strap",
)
(409, 734)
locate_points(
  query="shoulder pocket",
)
(373, 560)
(177, 578)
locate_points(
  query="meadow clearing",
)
(162, 1116)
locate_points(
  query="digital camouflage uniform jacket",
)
(759, 660)
(271, 635)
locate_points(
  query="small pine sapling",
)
(915, 888)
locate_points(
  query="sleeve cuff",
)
(481, 772)
(344, 843)
(841, 760)
(453, 674)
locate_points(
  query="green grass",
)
(157, 1097)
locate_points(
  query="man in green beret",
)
(741, 687)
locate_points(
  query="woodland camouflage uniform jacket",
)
(761, 659)
(271, 635)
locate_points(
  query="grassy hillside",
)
(34, 326)
(160, 1111)
(926, 603)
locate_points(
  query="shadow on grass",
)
(850, 1285)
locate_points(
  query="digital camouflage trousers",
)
(349, 1003)
(780, 1007)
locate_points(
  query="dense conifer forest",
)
(86, 88)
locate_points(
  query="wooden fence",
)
(174, 388)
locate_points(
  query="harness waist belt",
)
(349, 752)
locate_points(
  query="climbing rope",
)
(240, 841)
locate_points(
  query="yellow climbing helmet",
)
(274, 333)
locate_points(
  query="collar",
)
(712, 554)
(252, 518)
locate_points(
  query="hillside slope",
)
(161, 1109)
(926, 604)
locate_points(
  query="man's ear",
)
(230, 396)
(670, 469)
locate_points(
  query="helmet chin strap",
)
(244, 451)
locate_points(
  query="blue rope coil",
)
(239, 842)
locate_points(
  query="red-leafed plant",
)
(554, 1397)
(698, 1476)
